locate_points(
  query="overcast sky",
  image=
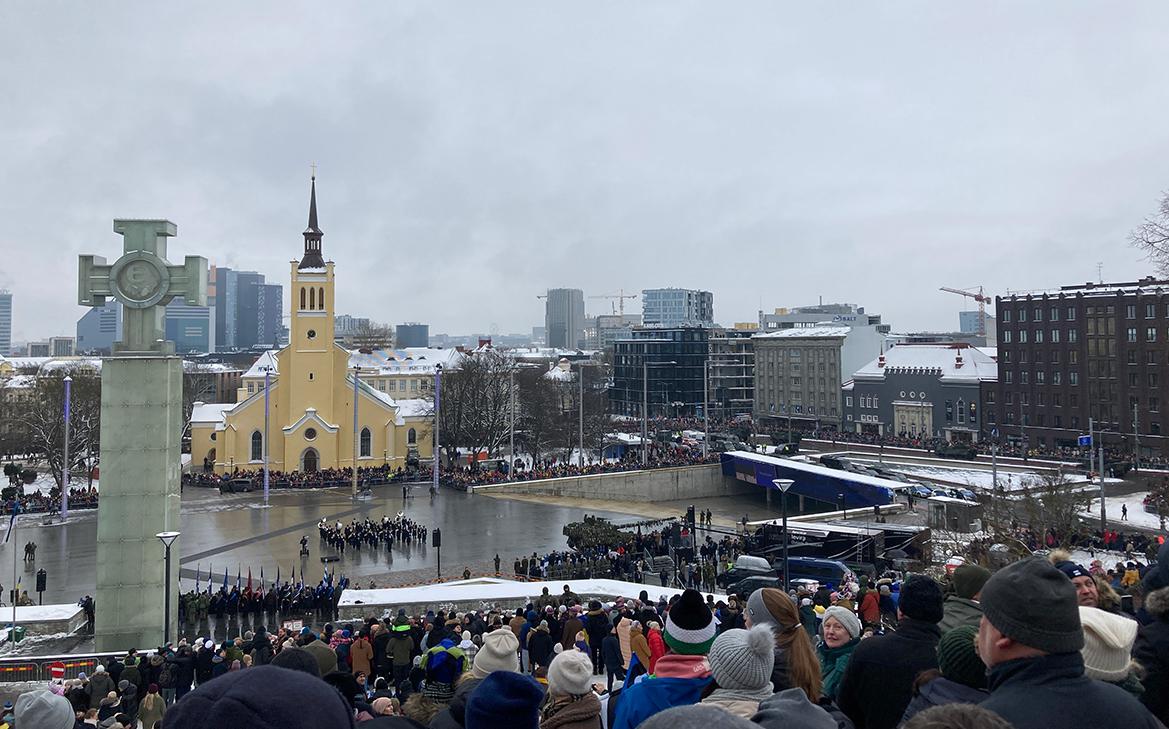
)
(472, 154)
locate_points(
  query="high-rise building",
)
(62, 346)
(191, 328)
(731, 390)
(248, 310)
(968, 324)
(564, 316)
(412, 335)
(5, 323)
(99, 328)
(40, 349)
(798, 373)
(672, 384)
(677, 307)
(611, 327)
(1085, 352)
(841, 315)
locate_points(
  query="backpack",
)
(166, 676)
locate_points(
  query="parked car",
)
(750, 584)
(746, 566)
(235, 486)
(824, 571)
(920, 492)
(967, 494)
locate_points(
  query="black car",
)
(235, 486)
(751, 584)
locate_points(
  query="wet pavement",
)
(236, 531)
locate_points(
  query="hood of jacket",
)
(1157, 603)
(944, 691)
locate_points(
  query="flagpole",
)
(15, 594)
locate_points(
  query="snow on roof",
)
(939, 359)
(992, 352)
(210, 412)
(207, 367)
(414, 408)
(1148, 285)
(819, 470)
(805, 332)
(558, 373)
(19, 381)
(417, 360)
(268, 361)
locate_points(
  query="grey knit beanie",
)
(791, 708)
(697, 716)
(1033, 603)
(743, 659)
(845, 617)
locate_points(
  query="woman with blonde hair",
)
(796, 664)
(152, 707)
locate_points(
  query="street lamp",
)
(843, 507)
(437, 405)
(580, 379)
(783, 484)
(356, 434)
(645, 365)
(167, 539)
(267, 403)
(65, 466)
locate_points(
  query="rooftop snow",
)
(805, 333)
(937, 359)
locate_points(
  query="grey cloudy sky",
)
(472, 154)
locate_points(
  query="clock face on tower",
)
(311, 334)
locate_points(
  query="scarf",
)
(723, 694)
(674, 665)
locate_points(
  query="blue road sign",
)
(1085, 440)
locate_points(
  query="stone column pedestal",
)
(141, 430)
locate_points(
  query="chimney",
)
(958, 360)
(881, 362)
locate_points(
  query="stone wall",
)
(658, 484)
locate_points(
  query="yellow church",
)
(310, 405)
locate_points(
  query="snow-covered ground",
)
(45, 483)
(980, 479)
(1137, 516)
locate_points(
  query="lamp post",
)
(167, 539)
(65, 463)
(511, 426)
(267, 405)
(437, 406)
(783, 484)
(645, 365)
(580, 379)
(843, 507)
(356, 434)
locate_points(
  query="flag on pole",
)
(326, 578)
(209, 584)
(237, 576)
(197, 576)
(12, 520)
(261, 577)
(249, 579)
(277, 582)
(225, 579)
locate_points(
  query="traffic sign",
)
(1085, 440)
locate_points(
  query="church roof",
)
(211, 412)
(409, 360)
(312, 235)
(266, 362)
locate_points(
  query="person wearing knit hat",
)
(262, 697)
(961, 608)
(791, 709)
(498, 653)
(840, 633)
(680, 676)
(1107, 651)
(297, 659)
(700, 716)
(1030, 638)
(961, 675)
(1087, 594)
(878, 682)
(741, 663)
(505, 699)
(43, 709)
(571, 701)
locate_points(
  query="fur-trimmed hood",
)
(1157, 603)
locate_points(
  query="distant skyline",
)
(471, 156)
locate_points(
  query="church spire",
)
(312, 234)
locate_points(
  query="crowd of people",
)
(663, 457)
(1030, 646)
(38, 502)
(323, 478)
(373, 534)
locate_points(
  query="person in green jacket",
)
(840, 632)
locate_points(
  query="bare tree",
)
(370, 335)
(1152, 236)
(1048, 504)
(42, 418)
(474, 409)
(537, 412)
(199, 385)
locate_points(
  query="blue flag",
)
(12, 520)
(225, 579)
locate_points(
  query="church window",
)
(411, 436)
(312, 298)
(310, 433)
(311, 377)
(257, 446)
(366, 443)
(321, 298)
(302, 298)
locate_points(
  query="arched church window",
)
(365, 443)
(411, 436)
(302, 297)
(312, 298)
(321, 297)
(257, 446)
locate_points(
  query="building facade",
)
(564, 318)
(797, 373)
(313, 400)
(677, 307)
(191, 328)
(248, 311)
(673, 382)
(1096, 352)
(921, 391)
(99, 328)
(968, 324)
(5, 323)
(412, 334)
(731, 372)
(843, 315)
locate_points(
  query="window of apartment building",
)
(1151, 357)
(1024, 356)
(949, 410)
(1025, 377)
(1024, 398)
(848, 401)
(1132, 379)
(1154, 404)
(1055, 356)
(1073, 337)
(1073, 400)
(1010, 398)
(1150, 334)
(1039, 336)
(1152, 379)
(1037, 315)
(1022, 315)
(1057, 378)
(1008, 375)
(1040, 375)
(1132, 356)
(1039, 418)
(1075, 422)
(1053, 314)
(1058, 421)
(1130, 311)
(1150, 311)
(1041, 399)
(1006, 314)
(1009, 417)
(1022, 336)
(990, 397)
(1056, 400)
(1006, 334)
(1073, 378)
(1073, 357)
(797, 382)
(1006, 355)
(1055, 336)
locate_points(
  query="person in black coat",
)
(203, 659)
(1151, 650)
(183, 668)
(611, 655)
(878, 683)
(260, 648)
(597, 625)
(1030, 638)
(540, 646)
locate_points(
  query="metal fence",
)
(37, 668)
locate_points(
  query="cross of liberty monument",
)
(141, 431)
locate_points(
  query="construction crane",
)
(620, 296)
(978, 296)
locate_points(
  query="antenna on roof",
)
(1100, 271)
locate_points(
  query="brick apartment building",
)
(1090, 351)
